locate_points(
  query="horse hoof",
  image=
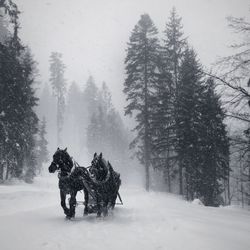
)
(70, 216)
(105, 212)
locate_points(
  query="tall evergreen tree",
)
(172, 55)
(163, 126)
(188, 108)
(89, 106)
(18, 121)
(139, 85)
(214, 148)
(106, 132)
(90, 97)
(174, 45)
(42, 143)
(58, 83)
(4, 32)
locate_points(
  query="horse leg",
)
(99, 208)
(86, 199)
(113, 200)
(72, 204)
(105, 208)
(63, 203)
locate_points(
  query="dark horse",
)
(71, 180)
(107, 183)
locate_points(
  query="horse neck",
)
(65, 167)
(105, 172)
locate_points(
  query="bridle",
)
(96, 165)
(58, 164)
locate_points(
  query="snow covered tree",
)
(139, 86)
(214, 148)
(163, 126)
(174, 45)
(106, 132)
(75, 118)
(47, 99)
(89, 106)
(4, 32)
(202, 144)
(96, 133)
(188, 108)
(18, 121)
(106, 98)
(90, 97)
(41, 146)
(58, 83)
(74, 100)
(172, 54)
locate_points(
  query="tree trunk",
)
(58, 123)
(147, 173)
(180, 180)
(248, 197)
(228, 189)
(146, 118)
(167, 178)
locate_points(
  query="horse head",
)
(61, 161)
(98, 168)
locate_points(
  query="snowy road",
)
(32, 219)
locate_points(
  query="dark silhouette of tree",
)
(58, 83)
(141, 66)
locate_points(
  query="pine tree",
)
(18, 122)
(163, 125)
(214, 148)
(75, 118)
(106, 132)
(188, 107)
(141, 66)
(106, 98)
(89, 106)
(172, 54)
(58, 83)
(96, 133)
(90, 97)
(42, 143)
(4, 32)
(174, 45)
(47, 99)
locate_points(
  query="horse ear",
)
(65, 150)
(100, 155)
(95, 155)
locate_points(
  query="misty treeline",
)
(181, 129)
(86, 120)
(22, 136)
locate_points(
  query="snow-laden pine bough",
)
(99, 182)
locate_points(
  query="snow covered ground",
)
(31, 218)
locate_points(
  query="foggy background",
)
(93, 35)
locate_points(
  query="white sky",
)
(92, 34)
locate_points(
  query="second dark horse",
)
(70, 181)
